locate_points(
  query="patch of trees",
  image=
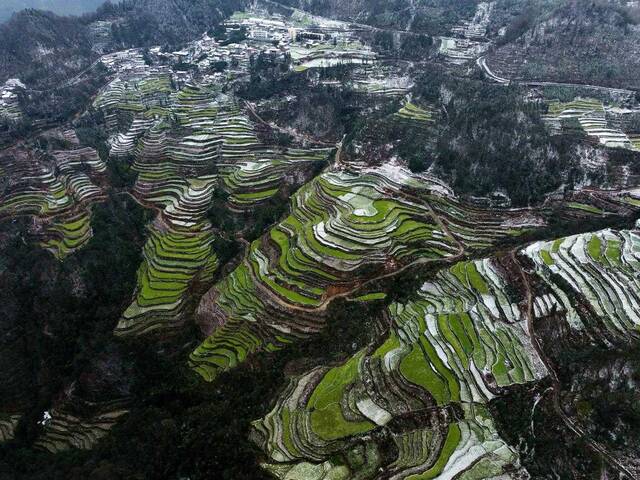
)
(148, 22)
(180, 426)
(583, 42)
(325, 112)
(485, 139)
(59, 104)
(269, 74)
(491, 139)
(438, 16)
(41, 48)
(60, 315)
(234, 36)
(519, 25)
(415, 47)
(382, 136)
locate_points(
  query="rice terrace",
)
(320, 240)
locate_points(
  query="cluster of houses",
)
(309, 45)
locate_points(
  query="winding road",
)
(482, 63)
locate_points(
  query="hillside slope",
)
(43, 48)
(434, 17)
(596, 43)
(61, 7)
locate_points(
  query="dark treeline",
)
(491, 139)
(570, 41)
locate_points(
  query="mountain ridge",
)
(60, 7)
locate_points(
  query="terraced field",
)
(450, 351)
(9, 102)
(385, 80)
(251, 182)
(415, 114)
(345, 228)
(8, 424)
(463, 340)
(198, 142)
(56, 189)
(174, 260)
(591, 117)
(417, 401)
(601, 269)
(63, 431)
(140, 96)
(175, 178)
(328, 54)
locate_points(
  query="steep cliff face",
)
(594, 42)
